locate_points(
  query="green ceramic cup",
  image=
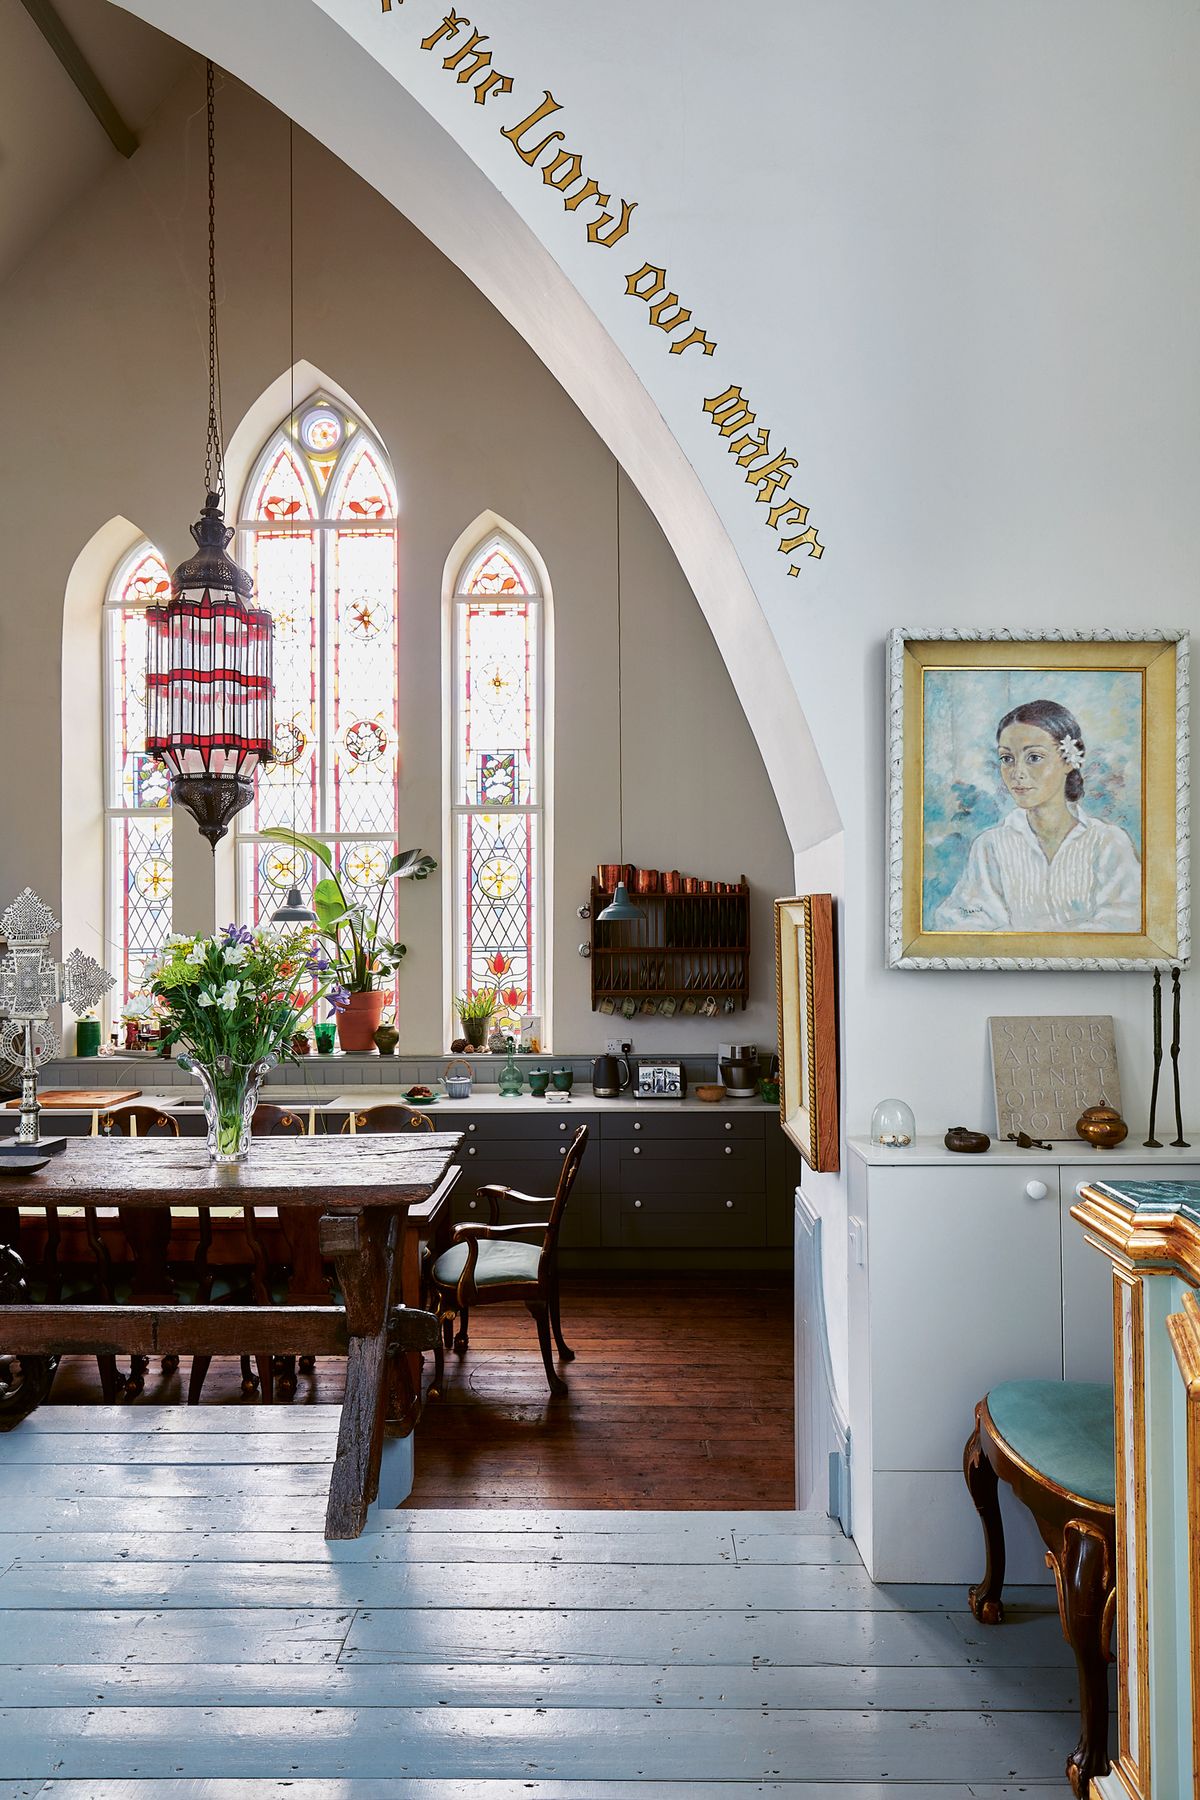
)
(87, 1037)
(539, 1081)
(564, 1080)
(325, 1033)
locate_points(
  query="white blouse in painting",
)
(1092, 883)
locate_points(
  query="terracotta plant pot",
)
(358, 1021)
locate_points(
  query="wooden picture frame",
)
(806, 991)
(1080, 863)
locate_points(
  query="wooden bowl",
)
(709, 1091)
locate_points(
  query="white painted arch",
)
(299, 53)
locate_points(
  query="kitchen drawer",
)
(722, 1123)
(516, 1127)
(734, 1221)
(680, 1167)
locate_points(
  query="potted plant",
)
(359, 954)
(476, 1011)
(233, 1003)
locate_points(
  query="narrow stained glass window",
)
(137, 791)
(497, 780)
(319, 537)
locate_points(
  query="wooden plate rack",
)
(685, 946)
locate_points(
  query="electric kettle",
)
(606, 1076)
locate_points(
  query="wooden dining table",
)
(359, 1188)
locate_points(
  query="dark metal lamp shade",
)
(209, 681)
(620, 909)
(293, 911)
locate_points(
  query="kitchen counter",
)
(482, 1100)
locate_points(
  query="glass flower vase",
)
(230, 1092)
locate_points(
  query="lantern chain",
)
(214, 458)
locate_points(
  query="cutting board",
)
(84, 1099)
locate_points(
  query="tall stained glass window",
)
(497, 796)
(137, 790)
(319, 537)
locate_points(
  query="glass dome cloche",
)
(893, 1126)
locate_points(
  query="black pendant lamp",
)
(620, 909)
(293, 911)
(209, 682)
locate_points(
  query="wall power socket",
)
(615, 1047)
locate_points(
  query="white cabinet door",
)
(965, 1291)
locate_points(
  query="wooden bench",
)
(1053, 1442)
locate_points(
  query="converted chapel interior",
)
(599, 1152)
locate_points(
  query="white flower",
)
(229, 994)
(1071, 751)
(206, 997)
(178, 937)
(152, 967)
(236, 954)
(195, 955)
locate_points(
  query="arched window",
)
(319, 537)
(137, 799)
(497, 799)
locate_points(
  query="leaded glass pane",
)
(134, 779)
(139, 858)
(365, 491)
(281, 491)
(285, 569)
(496, 863)
(496, 688)
(362, 744)
(497, 570)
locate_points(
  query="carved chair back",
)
(277, 1121)
(389, 1118)
(562, 1193)
(138, 1121)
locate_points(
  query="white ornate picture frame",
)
(969, 885)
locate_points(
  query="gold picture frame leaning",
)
(806, 990)
(1038, 801)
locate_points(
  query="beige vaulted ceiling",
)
(52, 147)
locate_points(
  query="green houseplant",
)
(360, 954)
(475, 1012)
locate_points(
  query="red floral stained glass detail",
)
(365, 740)
(365, 491)
(282, 490)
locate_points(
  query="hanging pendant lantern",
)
(209, 688)
(209, 654)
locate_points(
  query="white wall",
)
(103, 363)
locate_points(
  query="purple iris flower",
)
(316, 965)
(238, 934)
(339, 998)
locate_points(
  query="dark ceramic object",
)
(969, 1143)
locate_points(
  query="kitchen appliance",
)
(607, 1081)
(659, 1078)
(740, 1071)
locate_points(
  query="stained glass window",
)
(319, 536)
(497, 779)
(137, 790)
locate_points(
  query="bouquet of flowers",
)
(232, 1004)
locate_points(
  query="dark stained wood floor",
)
(680, 1400)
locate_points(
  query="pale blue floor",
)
(172, 1623)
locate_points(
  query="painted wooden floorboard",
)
(444, 1587)
(125, 1481)
(148, 1448)
(183, 1421)
(484, 1684)
(403, 1789)
(107, 1640)
(514, 1743)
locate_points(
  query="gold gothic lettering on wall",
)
(766, 470)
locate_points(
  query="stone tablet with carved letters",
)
(1047, 1070)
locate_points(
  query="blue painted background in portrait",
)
(963, 793)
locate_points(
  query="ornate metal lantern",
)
(209, 683)
(209, 675)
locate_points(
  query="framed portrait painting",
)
(1038, 800)
(805, 975)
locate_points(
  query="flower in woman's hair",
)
(1071, 751)
(339, 998)
(229, 994)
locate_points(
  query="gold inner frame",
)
(797, 1031)
(1156, 662)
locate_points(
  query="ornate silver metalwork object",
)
(30, 984)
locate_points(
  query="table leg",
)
(363, 1249)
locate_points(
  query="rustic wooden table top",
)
(330, 1174)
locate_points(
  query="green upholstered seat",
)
(499, 1260)
(1064, 1430)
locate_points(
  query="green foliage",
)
(479, 1006)
(360, 956)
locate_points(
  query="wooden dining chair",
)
(490, 1264)
(388, 1118)
(147, 1234)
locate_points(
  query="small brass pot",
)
(1102, 1127)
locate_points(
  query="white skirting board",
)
(822, 1432)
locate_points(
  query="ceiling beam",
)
(77, 66)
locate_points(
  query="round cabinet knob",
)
(729, 1204)
(472, 1151)
(729, 1149)
(472, 1204)
(563, 1125)
(562, 1149)
(637, 1149)
(471, 1127)
(637, 1124)
(637, 1203)
(729, 1124)
(1036, 1190)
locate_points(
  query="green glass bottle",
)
(510, 1084)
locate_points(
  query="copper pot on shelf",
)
(690, 885)
(608, 875)
(706, 887)
(1102, 1127)
(671, 883)
(646, 881)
